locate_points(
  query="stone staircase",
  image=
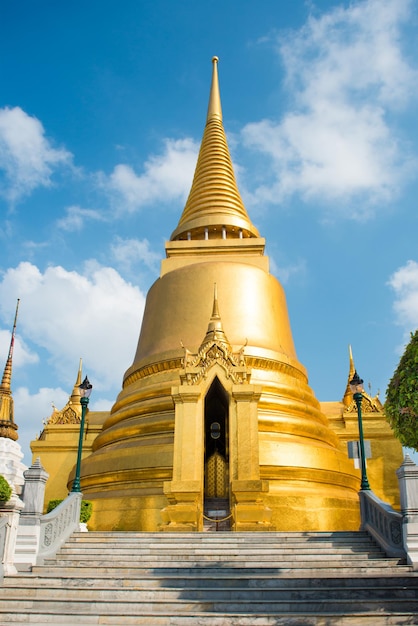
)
(214, 579)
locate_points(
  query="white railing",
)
(383, 523)
(58, 525)
(4, 524)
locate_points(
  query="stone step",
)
(213, 549)
(379, 618)
(219, 606)
(160, 569)
(224, 538)
(314, 562)
(242, 579)
(261, 579)
(217, 540)
(297, 593)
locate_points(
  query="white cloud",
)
(27, 158)
(22, 354)
(75, 218)
(285, 272)
(31, 410)
(345, 73)
(404, 282)
(167, 177)
(95, 315)
(128, 251)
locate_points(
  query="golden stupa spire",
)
(8, 428)
(348, 394)
(214, 208)
(215, 332)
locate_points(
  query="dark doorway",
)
(216, 504)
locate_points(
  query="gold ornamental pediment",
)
(197, 366)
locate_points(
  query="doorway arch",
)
(216, 453)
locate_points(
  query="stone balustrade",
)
(383, 523)
(58, 525)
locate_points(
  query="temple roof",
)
(214, 201)
(370, 404)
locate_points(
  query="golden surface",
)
(214, 200)
(229, 360)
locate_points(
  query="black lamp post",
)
(85, 391)
(356, 386)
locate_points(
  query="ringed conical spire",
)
(214, 208)
(8, 428)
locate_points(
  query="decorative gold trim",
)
(252, 362)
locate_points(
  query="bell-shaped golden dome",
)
(227, 366)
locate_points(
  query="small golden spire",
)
(75, 396)
(8, 428)
(215, 308)
(348, 394)
(71, 413)
(215, 332)
(214, 107)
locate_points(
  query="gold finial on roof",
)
(214, 107)
(75, 396)
(8, 428)
(348, 394)
(215, 308)
(371, 404)
(214, 205)
(71, 413)
(215, 332)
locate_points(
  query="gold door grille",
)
(216, 474)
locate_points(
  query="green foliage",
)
(85, 511)
(401, 406)
(5, 490)
(52, 504)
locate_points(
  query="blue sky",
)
(102, 109)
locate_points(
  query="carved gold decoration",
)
(67, 416)
(8, 430)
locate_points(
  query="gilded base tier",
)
(218, 379)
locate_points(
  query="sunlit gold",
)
(216, 345)
(214, 202)
(386, 450)
(285, 468)
(58, 442)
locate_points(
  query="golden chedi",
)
(216, 413)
